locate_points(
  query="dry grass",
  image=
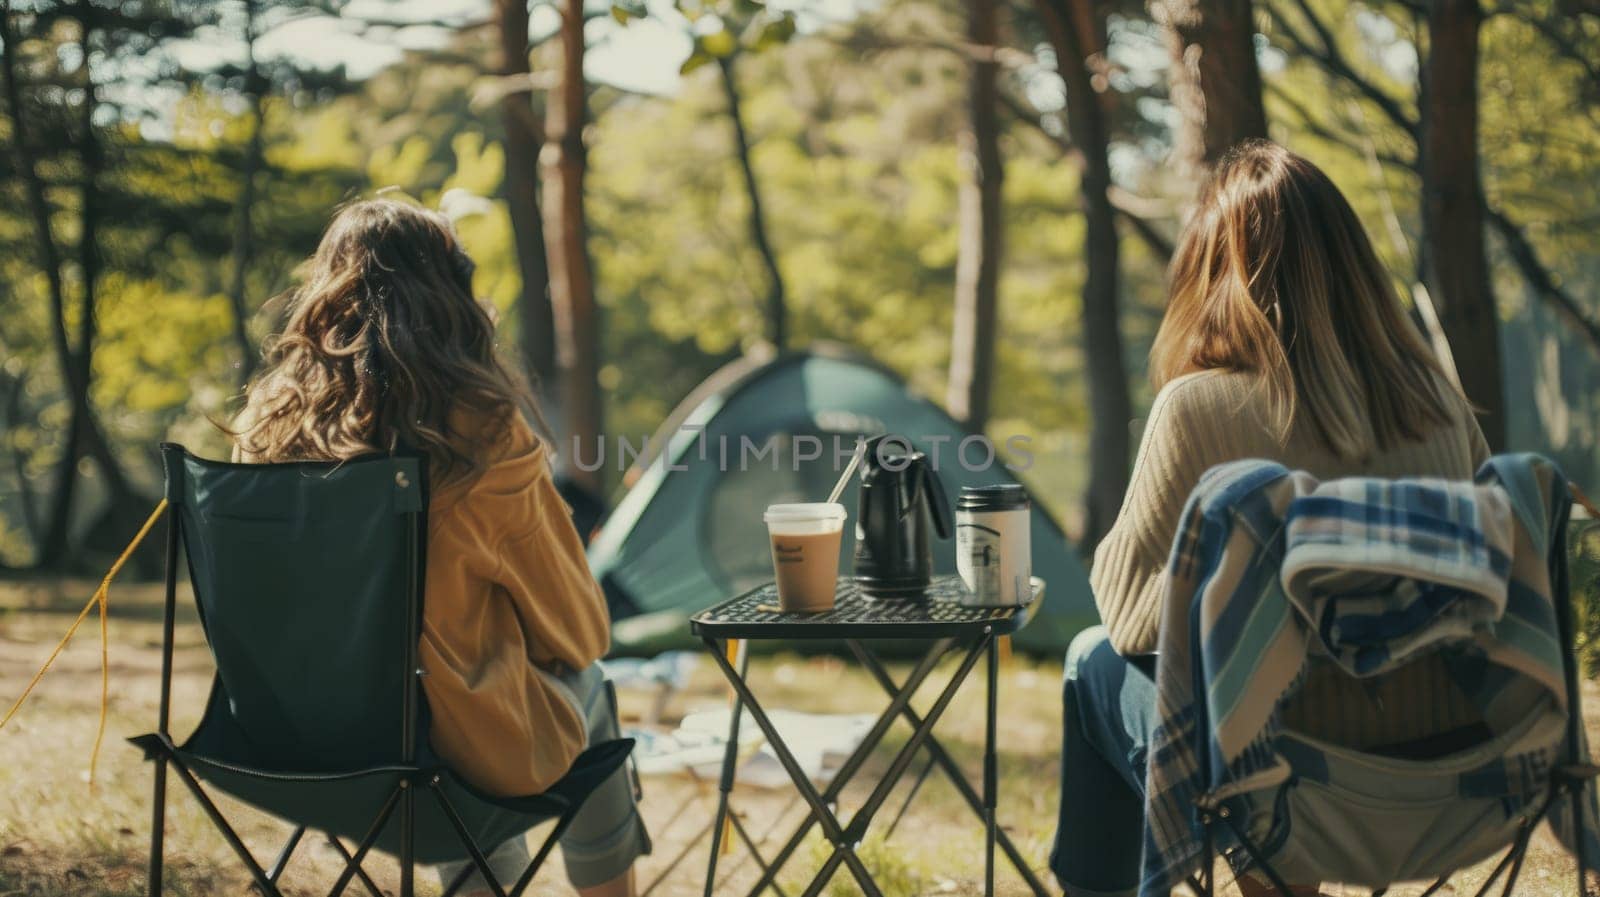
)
(57, 837)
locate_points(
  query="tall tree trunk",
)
(243, 233)
(87, 438)
(777, 311)
(1454, 260)
(89, 152)
(536, 320)
(1216, 85)
(566, 238)
(53, 547)
(972, 350)
(1077, 33)
(95, 442)
(83, 435)
(15, 388)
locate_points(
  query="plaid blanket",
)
(1271, 568)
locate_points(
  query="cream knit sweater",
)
(1204, 419)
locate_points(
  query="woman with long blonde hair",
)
(1283, 339)
(386, 348)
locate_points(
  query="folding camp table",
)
(937, 618)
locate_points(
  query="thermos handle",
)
(936, 500)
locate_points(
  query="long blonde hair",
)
(1274, 275)
(385, 348)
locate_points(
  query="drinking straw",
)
(849, 471)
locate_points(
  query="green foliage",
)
(853, 141)
(1583, 557)
(893, 873)
(626, 11)
(721, 28)
(162, 214)
(865, 218)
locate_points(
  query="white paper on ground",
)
(820, 742)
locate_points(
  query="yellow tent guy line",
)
(98, 598)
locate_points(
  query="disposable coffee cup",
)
(805, 553)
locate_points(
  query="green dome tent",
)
(689, 533)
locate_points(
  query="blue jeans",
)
(1108, 718)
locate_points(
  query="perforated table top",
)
(937, 613)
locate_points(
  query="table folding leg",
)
(844, 838)
(982, 805)
(857, 758)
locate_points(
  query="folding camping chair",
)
(308, 580)
(1425, 815)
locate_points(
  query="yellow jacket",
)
(509, 602)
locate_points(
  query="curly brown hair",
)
(384, 348)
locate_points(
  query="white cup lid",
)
(804, 512)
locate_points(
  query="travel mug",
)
(993, 548)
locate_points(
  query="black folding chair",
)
(308, 580)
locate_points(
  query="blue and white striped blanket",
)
(1271, 568)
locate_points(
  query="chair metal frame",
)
(1567, 780)
(401, 798)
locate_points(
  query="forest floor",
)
(59, 837)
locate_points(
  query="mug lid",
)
(1000, 497)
